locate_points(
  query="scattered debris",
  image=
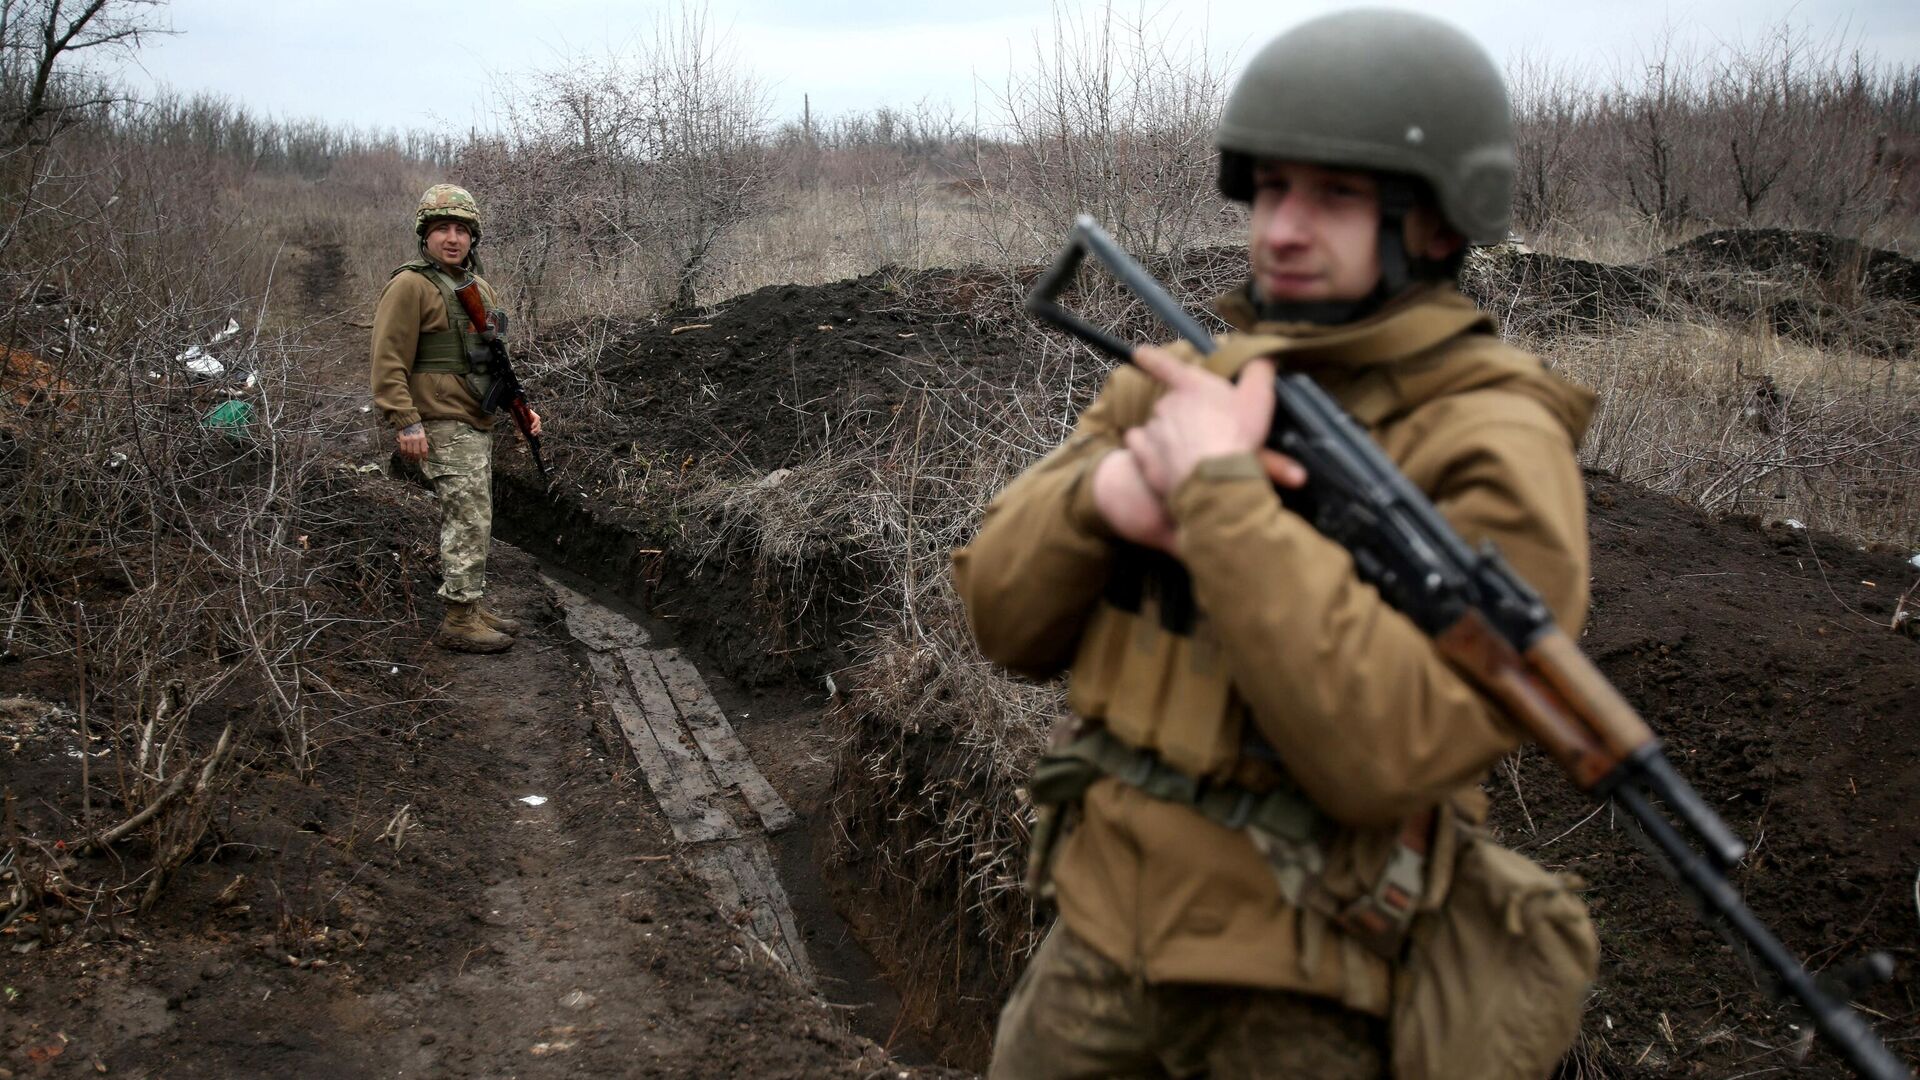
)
(690, 326)
(534, 800)
(230, 418)
(1794, 523)
(202, 364)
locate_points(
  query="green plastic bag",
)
(230, 419)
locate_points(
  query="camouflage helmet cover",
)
(1381, 90)
(447, 201)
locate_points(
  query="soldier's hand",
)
(1133, 510)
(533, 428)
(1203, 416)
(412, 442)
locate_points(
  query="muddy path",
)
(425, 920)
(404, 911)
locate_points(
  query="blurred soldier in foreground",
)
(1270, 785)
(428, 385)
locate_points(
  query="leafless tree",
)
(640, 163)
(1116, 120)
(39, 42)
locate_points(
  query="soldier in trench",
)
(1269, 772)
(427, 387)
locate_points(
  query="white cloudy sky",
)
(376, 63)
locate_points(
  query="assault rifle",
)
(1493, 628)
(505, 390)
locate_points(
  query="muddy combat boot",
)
(464, 631)
(496, 621)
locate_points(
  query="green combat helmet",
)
(447, 201)
(1396, 93)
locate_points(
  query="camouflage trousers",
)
(460, 465)
(1077, 1014)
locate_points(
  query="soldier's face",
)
(448, 242)
(1315, 232)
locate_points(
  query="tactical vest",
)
(455, 350)
(1150, 669)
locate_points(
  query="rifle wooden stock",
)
(1528, 691)
(475, 307)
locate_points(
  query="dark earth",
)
(491, 938)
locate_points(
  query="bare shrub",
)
(609, 187)
(1549, 111)
(1780, 131)
(1116, 120)
(172, 542)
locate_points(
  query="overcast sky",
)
(376, 63)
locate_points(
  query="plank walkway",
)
(702, 776)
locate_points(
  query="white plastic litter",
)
(1915, 561)
(534, 800)
(233, 328)
(207, 367)
(1796, 523)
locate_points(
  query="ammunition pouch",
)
(1495, 977)
(1287, 828)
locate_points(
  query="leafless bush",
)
(1117, 121)
(1778, 131)
(170, 550)
(609, 187)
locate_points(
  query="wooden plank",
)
(754, 862)
(731, 763)
(694, 819)
(682, 752)
(746, 890)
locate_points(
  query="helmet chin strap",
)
(1396, 269)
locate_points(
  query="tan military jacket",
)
(1369, 721)
(409, 307)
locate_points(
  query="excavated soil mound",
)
(1817, 288)
(1760, 651)
(770, 377)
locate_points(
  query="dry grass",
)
(828, 233)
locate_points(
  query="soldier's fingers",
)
(1164, 366)
(1146, 455)
(1282, 469)
(1253, 392)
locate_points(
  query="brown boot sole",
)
(468, 645)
